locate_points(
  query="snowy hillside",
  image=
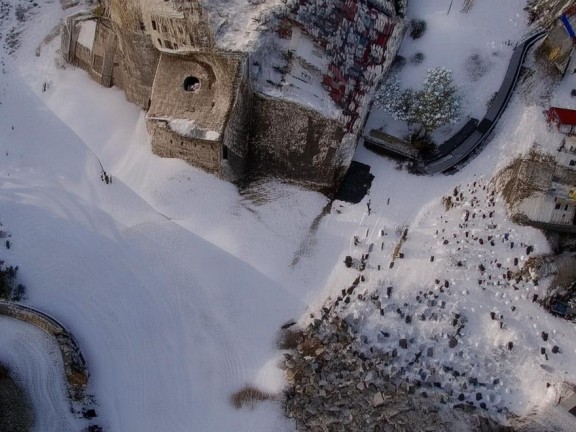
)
(175, 283)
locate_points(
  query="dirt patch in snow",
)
(521, 178)
(16, 413)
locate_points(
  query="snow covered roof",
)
(87, 33)
(238, 24)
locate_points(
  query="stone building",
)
(290, 103)
(198, 111)
(90, 43)
(558, 17)
(334, 55)
(541, 189)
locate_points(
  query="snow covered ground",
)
(475, 45)
(175, 284)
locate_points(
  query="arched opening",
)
(191, 84)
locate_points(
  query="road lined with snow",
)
(449, 157)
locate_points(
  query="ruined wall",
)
(103, 52)
(98, 58)
(183, 27)
(295, 143)
(199, 153)
(236, 133)
(136, 54)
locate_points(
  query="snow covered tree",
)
(393, 100)
(438, 103)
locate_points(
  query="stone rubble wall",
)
(137, 57)
(236, 133)
(199, 153)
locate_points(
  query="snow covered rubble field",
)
(175, 285)
(454, 292)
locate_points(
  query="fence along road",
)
(469, 139)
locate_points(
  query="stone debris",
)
(334, 386)
(394, 360)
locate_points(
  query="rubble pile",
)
(427, 353)
(334, 386)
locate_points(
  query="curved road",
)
(458, 148)
(74, 363)
(474, 133)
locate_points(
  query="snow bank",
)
(87, 33)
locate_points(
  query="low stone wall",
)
(74, 363)
(199, 153)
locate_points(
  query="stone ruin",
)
(297, 118)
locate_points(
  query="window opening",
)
(191, 84)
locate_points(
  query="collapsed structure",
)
(274, 88)
(541, 188)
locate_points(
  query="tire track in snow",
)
(35, 361)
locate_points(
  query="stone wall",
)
(98, 60)
(137, 56)
(199, 153)
(103, 53)
(295, 143)
(236, 133)
(180, 27)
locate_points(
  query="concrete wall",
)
(295, 143)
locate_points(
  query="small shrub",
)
(249, 395)
(20, 13)
(98, 10)
(19, 293)
(417, 28)
(476, 66)
(422, 142)
(397, 64)
(491, 100)
(289, 338)
(7, 280)
(417, 58)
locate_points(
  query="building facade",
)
(205, 104)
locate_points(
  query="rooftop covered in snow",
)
(237, 24)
